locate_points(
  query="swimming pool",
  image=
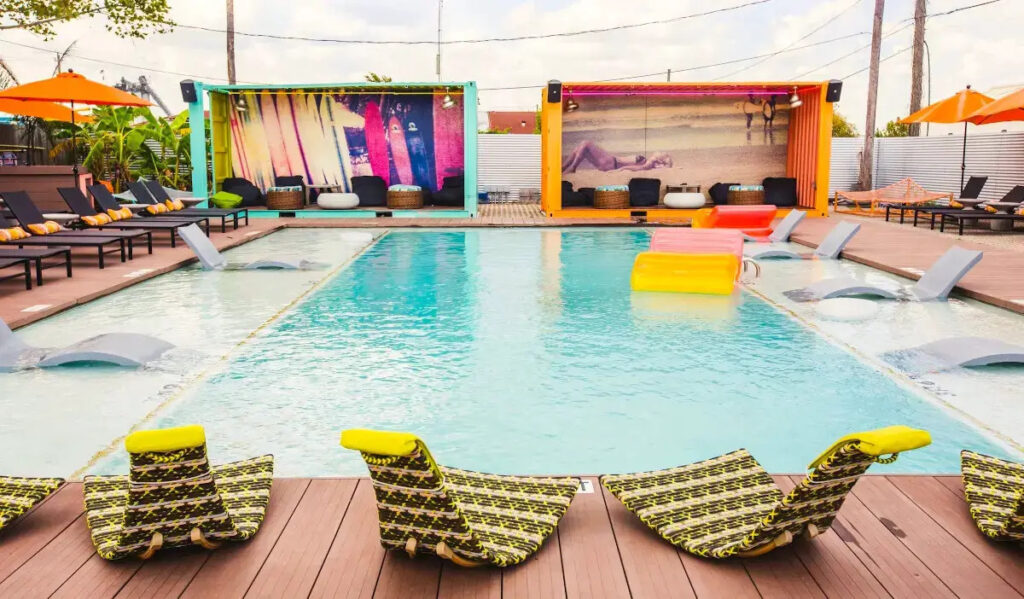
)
(514, 351)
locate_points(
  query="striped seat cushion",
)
(20, 494)
(995, 495)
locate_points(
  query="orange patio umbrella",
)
(43, 110)
(957, 108)
(1007, 108)
(72, 87)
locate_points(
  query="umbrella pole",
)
(963, 157)
(74, 146)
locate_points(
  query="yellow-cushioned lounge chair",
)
(19, 494)
(470, 518)
(173, 498)
(730, 506)
(995, 495)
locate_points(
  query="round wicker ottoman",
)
(745, 195)
(611, 199)
(284, 198)
(405, 200)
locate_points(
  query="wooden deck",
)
(901, 536)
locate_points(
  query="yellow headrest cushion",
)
(165, 439)
(379, 442)
(882, 441)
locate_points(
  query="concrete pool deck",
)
(899, 536)
(898, 249)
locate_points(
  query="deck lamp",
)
(240, 104)
(447, 101)
(571, 105)
(794, 100)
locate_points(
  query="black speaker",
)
(188, 91)
(555, 92)
(835, 89)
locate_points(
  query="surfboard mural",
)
(330, 138)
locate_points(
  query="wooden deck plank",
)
(292, 567)
(892, 564)
(950, 511)
(590, 558)
(469, 583)
(958, 568)
(402, 577)
(353, 564)
(836, 569)
(718, 578)
(539, 577)
(98, 578)
(651, 564)
(230, 569)
(164, 577)
(55, 563)
(28, 535)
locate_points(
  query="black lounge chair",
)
(644, 192)
(37, 255)
(21, 263)
(106, 201)
(962, 215)
(157, 194)
(971, 191)
(372, 190)
(452, 192)
(66, 241)
(27, 213)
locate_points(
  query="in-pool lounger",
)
(995, 495)
(954, 352)
(829, 248)
(19, 494)
(730, 506)
(119, 349)
(783, 230)
(935, 284)
(470, 518)
(172, 497)
(211, 259)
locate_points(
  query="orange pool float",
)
(755, 221)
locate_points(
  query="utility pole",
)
(668, 75)
(917, 63)
(866, 156)
(440, 5)
(231, 40)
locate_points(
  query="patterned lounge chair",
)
(730, 506)
(995, 495)
(173, 498)
(18, 495)
(469, 518)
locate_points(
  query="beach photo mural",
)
(697, 140)
(329, 138)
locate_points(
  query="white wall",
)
(508, 160)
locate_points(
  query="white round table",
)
(684, 200)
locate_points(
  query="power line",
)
(478, 40)
(698, 67)
(847, 55)
(824, 24)
(894, 54)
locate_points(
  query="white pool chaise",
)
(935, 284)
(784, 229)
(954, 352)
(829, 248)
(119, 349)
(212, 259)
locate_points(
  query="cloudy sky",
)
(979, 46)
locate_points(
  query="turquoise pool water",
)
(524, 351)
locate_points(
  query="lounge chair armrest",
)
(168, 439)
(379, 442)
(882, 441)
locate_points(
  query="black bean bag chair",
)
(644, 192)
(371, 189)
(251, 195)
(780, 191)
(719, 192)
(292, 181)
(452, 192)
(574, 199)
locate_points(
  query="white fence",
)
(934, 162)
(511, 161)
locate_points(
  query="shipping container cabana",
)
(677, 137)
(409, 134)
